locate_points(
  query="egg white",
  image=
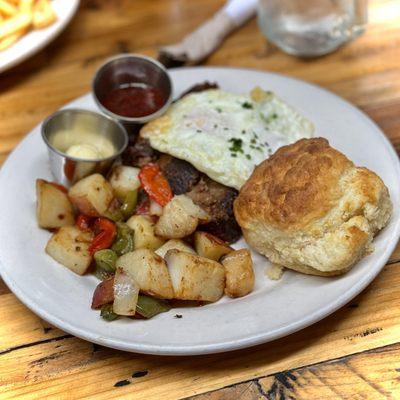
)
(225, 135)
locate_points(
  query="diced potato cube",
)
(70, 247)
(92, 195)
(54, 208)
(180, 218)
(149, 271)
(144, 236)
(174, 244)
(124, 179)
(239, 273)
(194, 277)
(209, 246)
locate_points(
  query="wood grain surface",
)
(353, 354)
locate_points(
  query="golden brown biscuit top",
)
(294, 187)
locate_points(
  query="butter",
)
(86, 151)
(83, 144)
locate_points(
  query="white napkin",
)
(204, 40)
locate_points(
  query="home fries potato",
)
(146, 245)
(17, 17)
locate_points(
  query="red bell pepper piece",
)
(143, 208)
(155, 184)
(84, 222)
(105, 232)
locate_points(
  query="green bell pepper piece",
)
(148, 306)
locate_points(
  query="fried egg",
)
(225, 135)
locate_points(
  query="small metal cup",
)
(66, 169)
(128, 69)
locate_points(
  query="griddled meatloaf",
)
(139, 153)
(181, 175)
(217, 200)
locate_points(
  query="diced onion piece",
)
(155, 208)
(124, 179)
(174, 244)
(126, 292)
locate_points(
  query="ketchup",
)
(134, 100)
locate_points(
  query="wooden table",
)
(353, 354)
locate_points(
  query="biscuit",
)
(309, 208)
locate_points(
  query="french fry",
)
(10, 40)
(7, 8)
(19, 16)
(26, 5)
(43, 14)
(15, 24)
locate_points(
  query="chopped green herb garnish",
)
(215, 126)
(247, 105)
(236, 146)
(233, 155)
(253, 141)
(272, 117)
(237, 141)
(243, 131)
(225, 129)
(248, 156)
(235, 150)
(218, 109)
(199, 130)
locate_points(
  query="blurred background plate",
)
(34, 41)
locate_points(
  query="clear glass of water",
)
(311, 28)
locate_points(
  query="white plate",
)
(272, 310)
(35, 40)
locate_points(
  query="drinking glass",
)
(310, 28)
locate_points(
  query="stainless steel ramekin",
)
(127, 69)
(67, 169)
